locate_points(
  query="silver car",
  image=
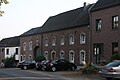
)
(111, 70)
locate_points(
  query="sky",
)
(22, 15)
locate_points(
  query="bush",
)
(89, 69)
(115, 57)
(40, 58)
(9, 62)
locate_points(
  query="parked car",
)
(60, 64)
(111, 70)
(27, 64)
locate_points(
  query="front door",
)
(37, 52)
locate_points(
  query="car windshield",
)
(113, 64)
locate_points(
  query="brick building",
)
(64, 36)
(105, 29)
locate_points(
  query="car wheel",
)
(25, 67)
(72, 68)
(53, 69)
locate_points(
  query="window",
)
(82, 57)
(2, 50)
(24, 46)
(114, 47)
(53, 55)
(53, 41)
(115, 22)
(46, 55)
(98, 25)
(30, 57)
(21, 58)
(46, 42)
(37, 41)
(16, 51)
(7, 51)
(98, 51)
(71, 39)
(62, 40)
(71, 56)
(82, 38)
(24, 57)
(30, 45)
(62, 55)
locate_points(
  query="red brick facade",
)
(76, 47)
(107, 35)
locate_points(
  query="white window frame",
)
(83, 57)
(62, 40)
(62, 54)
(71, 57)
(30, 57)
(54, 55)
(71, 39)
(24, 46)
(82, 38)
(46, 41)
(46, 55)
(53, 40)
(115, 22)
(30, 45)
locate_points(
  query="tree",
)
(2, 2)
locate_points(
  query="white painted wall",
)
(12, 51)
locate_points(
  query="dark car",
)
(60, 64)
(27, 64)
(111, 70)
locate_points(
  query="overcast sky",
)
(22, 15)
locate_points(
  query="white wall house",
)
(11, 51)
(9, 47)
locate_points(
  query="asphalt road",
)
(18, 74)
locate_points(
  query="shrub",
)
(40, 58)
(9, 62)
(89, 69)
(115, 57)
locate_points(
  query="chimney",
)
(85, 5)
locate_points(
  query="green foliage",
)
(2, 2)
(40, 58)
(89, 69)
(9, 62)
(115, 57)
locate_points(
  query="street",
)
(18, 74)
